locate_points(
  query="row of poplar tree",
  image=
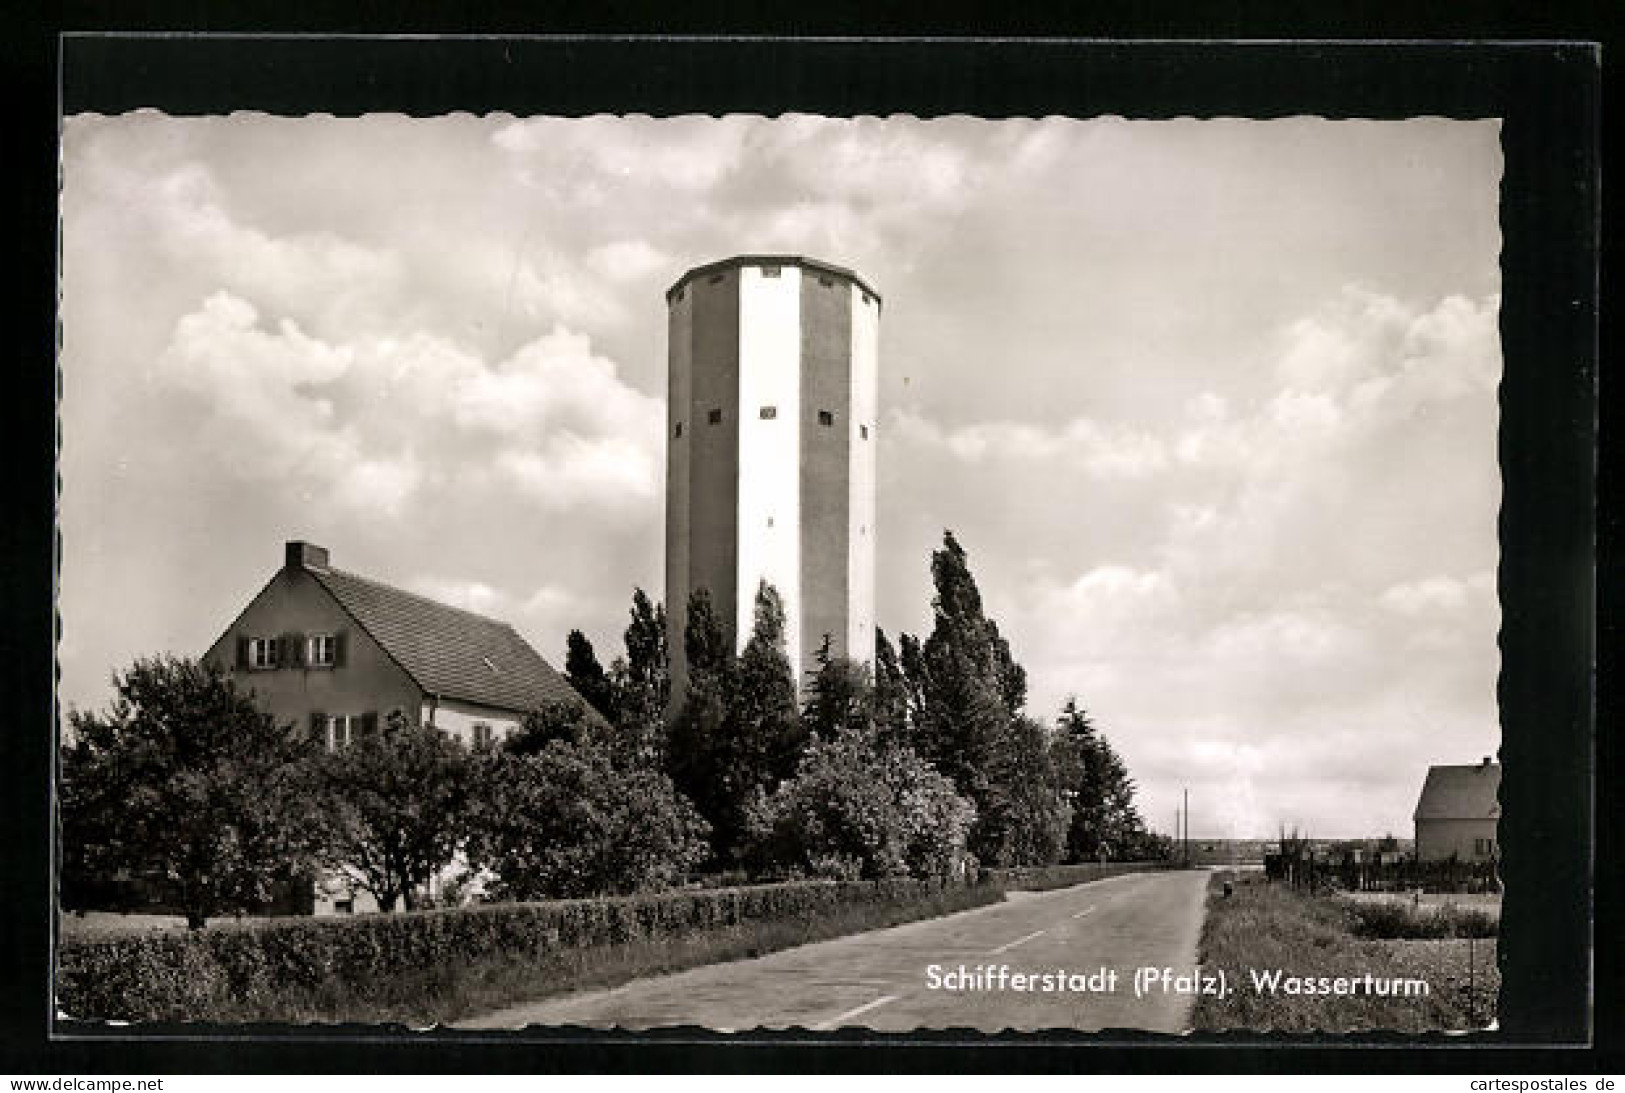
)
(970, 771)
(926, 765)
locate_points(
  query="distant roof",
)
(773, 260)
(450, 652)
(1460, 793)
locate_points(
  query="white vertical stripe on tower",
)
(770, 448)
(865, 379)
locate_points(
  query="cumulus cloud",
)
(1433, 594)
(475, 596)
(323, 278)
(1102, 451)
(375, 422)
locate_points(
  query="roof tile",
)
(450, 652)
(1460, 793)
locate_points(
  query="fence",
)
(1397, 876)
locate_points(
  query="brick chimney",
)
(1487, 759)
(302, 555)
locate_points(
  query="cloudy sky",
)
(1211, 404)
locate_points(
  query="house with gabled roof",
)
(337, 651)
(1457, 813)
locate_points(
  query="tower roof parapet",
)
(740, 260)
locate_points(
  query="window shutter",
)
(341, 642)
(369, 723)
(318, 727)
(295, 645)
(242, 651)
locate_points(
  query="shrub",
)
(857, 807)
(564, 822)
(253, 967)
(1398, 920)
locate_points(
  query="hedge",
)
(1043, 877)
(191, 976)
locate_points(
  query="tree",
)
(648, 672)
(185, 780)
(858, 807)
(842, 696)
(892, 692)
(401, 797)
(587, 676)
(1098, 786)
(566, 821)
(739, 729)
(558, 720)
(765, 718)
(963, 712)
(915, 680)
(970, 691)
(1026, 819)
(696, 746)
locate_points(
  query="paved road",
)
(899, 979)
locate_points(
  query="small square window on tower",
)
(827, 282)
(715, 278)
(863, 432)
(826, 417)
(677, 433)
(714, 417)
(768, 413)
(770, 271)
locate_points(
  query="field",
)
(1267, 928)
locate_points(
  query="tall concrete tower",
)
(770, 433)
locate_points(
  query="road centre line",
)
(825, 1026)
(1018, 941)
(1086, 911)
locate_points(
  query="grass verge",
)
(1263, 929)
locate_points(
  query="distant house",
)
(1456, 815)
(338, 652)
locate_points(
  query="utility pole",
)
(1187, 827)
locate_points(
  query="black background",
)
(1548, 95)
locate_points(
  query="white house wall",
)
(457, 719)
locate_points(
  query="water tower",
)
(770, 473)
